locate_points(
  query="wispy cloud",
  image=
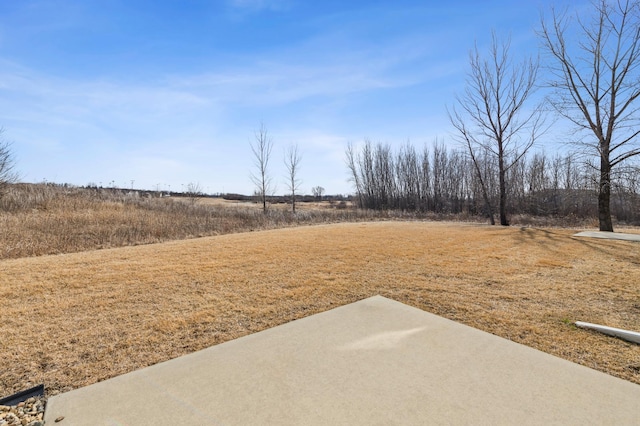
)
(332, 71)
(174, 125)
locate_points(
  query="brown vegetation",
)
(52, 219)
(75, 319)
(45, 219)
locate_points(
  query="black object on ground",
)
(23, 395)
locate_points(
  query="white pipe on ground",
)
(630, 336)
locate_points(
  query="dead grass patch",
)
(75, 319)
(41, 219)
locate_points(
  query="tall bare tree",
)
(595, 63)
(292, 159)
(354, 175)
(194, 192)
(261, 149)
(492, 115)
(8, 174)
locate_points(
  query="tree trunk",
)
(485, 193)
(604, 195)
(492, 221)
(503, 191)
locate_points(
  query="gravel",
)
(27, 413)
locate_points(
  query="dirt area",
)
(75, 319)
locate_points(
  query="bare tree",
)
(354, 176)
(8, 174)
(408, 178)
(492, 115)
(261, 149)
(317, 192)
(194, 192)
(292, 159)
(597, 85)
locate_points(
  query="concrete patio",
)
(609, 235)
(375, 361)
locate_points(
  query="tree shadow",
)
(549, 240)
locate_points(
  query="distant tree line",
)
(444, 180)
(279, 199)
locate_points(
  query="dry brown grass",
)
(40, 219)
(75, 319)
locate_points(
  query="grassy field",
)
(41, 219)
(75, 319)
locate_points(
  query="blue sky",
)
(170, 92)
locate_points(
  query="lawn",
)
(74, 319)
